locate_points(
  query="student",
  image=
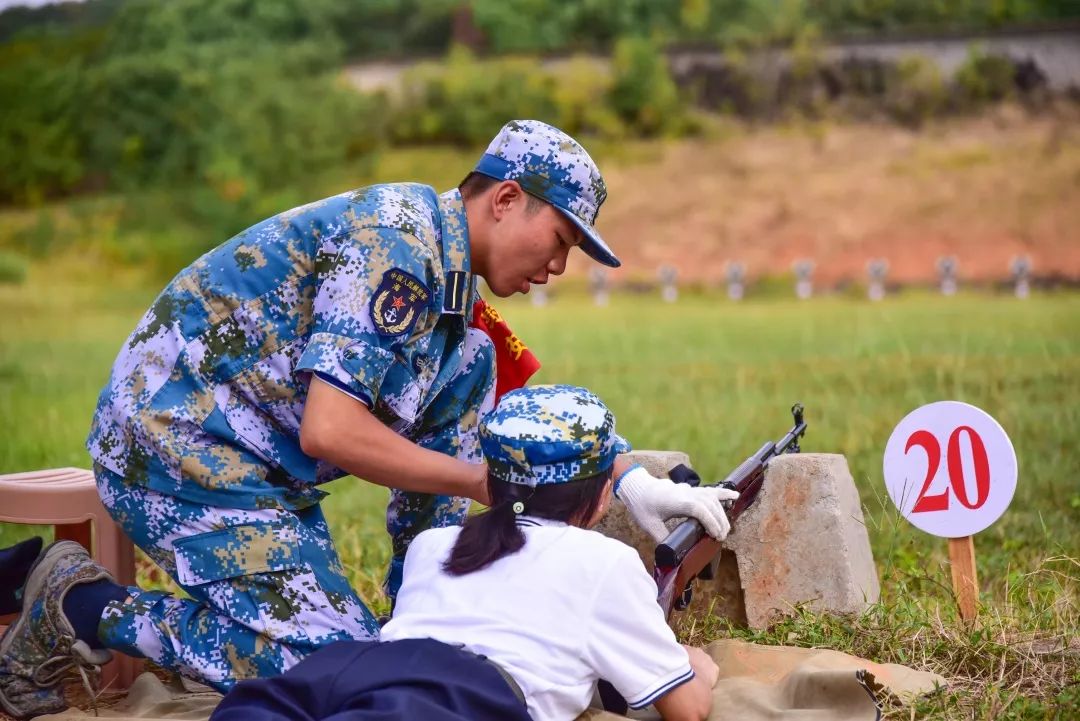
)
(517, 614)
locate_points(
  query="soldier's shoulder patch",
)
(398, 302)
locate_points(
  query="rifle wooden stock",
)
(688, 550)
(700, 555)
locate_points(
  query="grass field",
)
(716, 379)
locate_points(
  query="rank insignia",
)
(457, 291)
(398, 302)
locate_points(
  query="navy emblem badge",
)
(398, 302)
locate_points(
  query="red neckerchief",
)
(514, 362)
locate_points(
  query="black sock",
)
(84, 604)
(15, 565)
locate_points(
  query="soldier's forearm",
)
(342, 431)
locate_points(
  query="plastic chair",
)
(67, 499)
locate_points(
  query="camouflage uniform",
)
(196, 436)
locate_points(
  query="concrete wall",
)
(1056, 52)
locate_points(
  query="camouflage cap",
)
(549, 434)
(551, 165)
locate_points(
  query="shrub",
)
(917, 91)
(984, 78)
(177, 119)
(580, 89)
(12, 268)
(466, 101)
(40, 148)
(644, 94)
(803, 86)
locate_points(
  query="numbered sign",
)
(950, 469)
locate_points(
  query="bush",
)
(12, 268)
(644, 94)
(917, 91)
(177, 119)
(466, 101)
(40, 145)
(38, 239)
(984, 78)
(580, 90)
(802, 86)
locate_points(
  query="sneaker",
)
(39, 650)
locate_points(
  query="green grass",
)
(716, 379)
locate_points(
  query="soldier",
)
(328, 340)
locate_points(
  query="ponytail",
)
(488, 536)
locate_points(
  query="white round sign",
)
(950, 469)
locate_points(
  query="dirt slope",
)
(983, 190)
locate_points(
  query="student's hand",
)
(651, 501)
(704, 666)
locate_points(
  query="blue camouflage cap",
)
(551, 165)
(549, 434)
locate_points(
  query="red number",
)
(926, 503)
(978, 459)
(940, 502)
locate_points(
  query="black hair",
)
(488, 536)
(476, 184)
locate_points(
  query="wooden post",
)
(964, 581)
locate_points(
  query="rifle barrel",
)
(792, 437)
(747, 467)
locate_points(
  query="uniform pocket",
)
(254, 575)
(237, 551)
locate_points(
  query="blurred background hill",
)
(142, 133)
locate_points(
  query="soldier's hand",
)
(651, 501)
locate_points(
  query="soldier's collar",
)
(457, 265)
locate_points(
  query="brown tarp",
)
(757, 683)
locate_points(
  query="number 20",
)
(940, 501)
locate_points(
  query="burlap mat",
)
(757, 683)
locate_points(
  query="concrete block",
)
(803, 541)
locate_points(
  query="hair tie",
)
(519, 507)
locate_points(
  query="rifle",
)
(688, 552)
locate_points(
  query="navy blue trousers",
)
(417, 679)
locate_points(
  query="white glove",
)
(651, 501)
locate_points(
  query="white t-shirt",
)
(571, 607)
